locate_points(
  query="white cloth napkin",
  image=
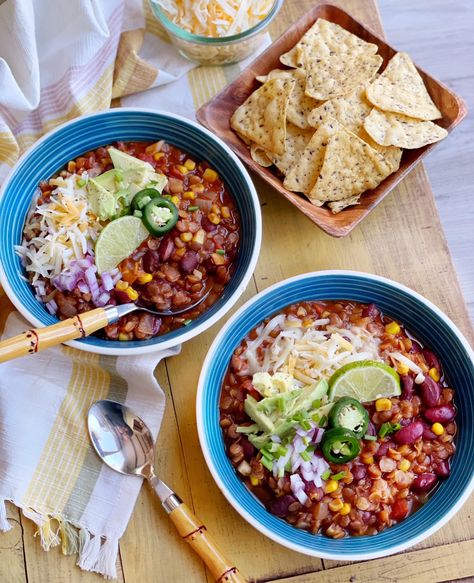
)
(59, 60)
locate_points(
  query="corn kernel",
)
(158, 155)
(175, 200)
(189, 195)
(367, 459)
(434, 374)
(346, 508)
(331, 486)
(131, 293)
(123, 336)
(190, 164)
(225, 212)
(182, 169)
(404, 465)
(392, 328)
(210, 175)
(180, 252)
(197, 187)
(121, 285)
(186, 237)
(437, 429)
(145, 278)
(254, 481)
(215, 220)
(402, 368)
(336, 504)
(200, 237)
(383, 404)
(307, 323)
(215, 209)
(71, 166)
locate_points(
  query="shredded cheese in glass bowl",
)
(215, 32)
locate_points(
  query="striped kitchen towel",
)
(59, 60)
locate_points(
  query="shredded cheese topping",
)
(215, 18)
(62, 229)
(308, 353)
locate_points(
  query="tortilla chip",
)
(392, 154)
(260, 155)
(335, 75)
(400, 89)
(396, 129)
(262, 117)
(304, 174)
(326, 37)
(300, 104)
(295, 143)
(350, 167)
(349, 110)
(338, 205)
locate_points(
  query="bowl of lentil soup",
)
(305, 454)
(151, 207)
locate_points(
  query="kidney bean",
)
(370, 311)
(383, 449)
(409, 434)
(313, 491)
(249, 449)
(415, 347)
(431, 359)
(166, 248)
(442, 469)
(280, 506)
(151, 261)
(408, 388)
(371, 429)
(207, 225)
(189, 262)
(427, 433)
(430, 392)
(121, 297)
(440, 414)
(424, 482)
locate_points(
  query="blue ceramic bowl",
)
(74, 138)
(420, 316)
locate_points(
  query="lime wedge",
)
(366, 380)
(117, 241)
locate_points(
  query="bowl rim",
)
(347, 556)
(182, 34)
(228, 303)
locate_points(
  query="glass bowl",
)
(207, 50)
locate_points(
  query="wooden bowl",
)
(216, 115)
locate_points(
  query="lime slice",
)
(366, 380)
(117, 241)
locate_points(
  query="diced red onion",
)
(308, 476)
(117, 277)
(301, 496)
(52, 307)
(318, 435)
(203, 204)
(92, 282)
(107, 281)
(306, 466)
(84, 263)
(83, 287)
(102, 300)
(296, 483)
(296, 464)
(275, 439)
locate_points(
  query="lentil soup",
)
(337, 418)
(173, 265)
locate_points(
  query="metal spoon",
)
(124, 443)
(37, 339)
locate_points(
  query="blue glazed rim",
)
(420, 316)
(80, 135)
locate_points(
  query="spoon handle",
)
(193, 531)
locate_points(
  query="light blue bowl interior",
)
(419, 319)
(101, 129)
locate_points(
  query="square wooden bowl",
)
(216, 115)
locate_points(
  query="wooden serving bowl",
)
(216, 115)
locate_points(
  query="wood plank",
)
(12, 561)
(161, 549)
(455, 561)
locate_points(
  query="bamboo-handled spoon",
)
(37, 339)
(124, 443)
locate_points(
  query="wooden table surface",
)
(403, 240)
